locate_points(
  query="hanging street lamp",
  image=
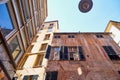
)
(85, 5)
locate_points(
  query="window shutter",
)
(111, 53)
(81, 55)
(61, 53)
(65, 53)
(51, 75)
(48, 52)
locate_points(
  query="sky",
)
(72, 20)
(5, 21)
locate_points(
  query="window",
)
(99, 35)
(15, 47)
(36, 18)
(18, 13)
(29, 30)
(47, 36)
(6, 24)
(30, 77)
(73, 53)
(56, 49)
(24, 38)
(81, 54)
(72, 49)
(42, 27)
(38, 61)
(22, 62)
(68, 53)
(111, 53)
(52, 75)
(56, 53)
(57, 36)
(26, 10)
(48, 52)
(71, 36)
(43, 47)
(51, 25)
(49, 29)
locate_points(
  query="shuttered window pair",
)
(66, 53)
(111, 53)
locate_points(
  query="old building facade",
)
(114, 28)
(20, 20)
(34, 62)
(83, 56)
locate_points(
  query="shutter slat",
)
(111, 53)
(65, 53)
(48, 52)
(61, 53)
(81, 55)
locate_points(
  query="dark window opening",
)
(56, 36)
(43, 47)
(99, 35)
(81, 55)
(71, 56)
(71, 36)
(30, 77)
(111, 53)
(51, 24)
(47, 36)
(51, 75)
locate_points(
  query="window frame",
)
(43, 47)
(53, 75)
(12, 17)
(111, 53)
(38, 60)
(18, 43)
(47, 37)
(50, 29)
(57, 36)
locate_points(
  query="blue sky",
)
(5, 21)
(72, 20)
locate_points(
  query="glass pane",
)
(15, 47)
(29, 30)
(26, 10)
(24, 38)
(5, 20)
